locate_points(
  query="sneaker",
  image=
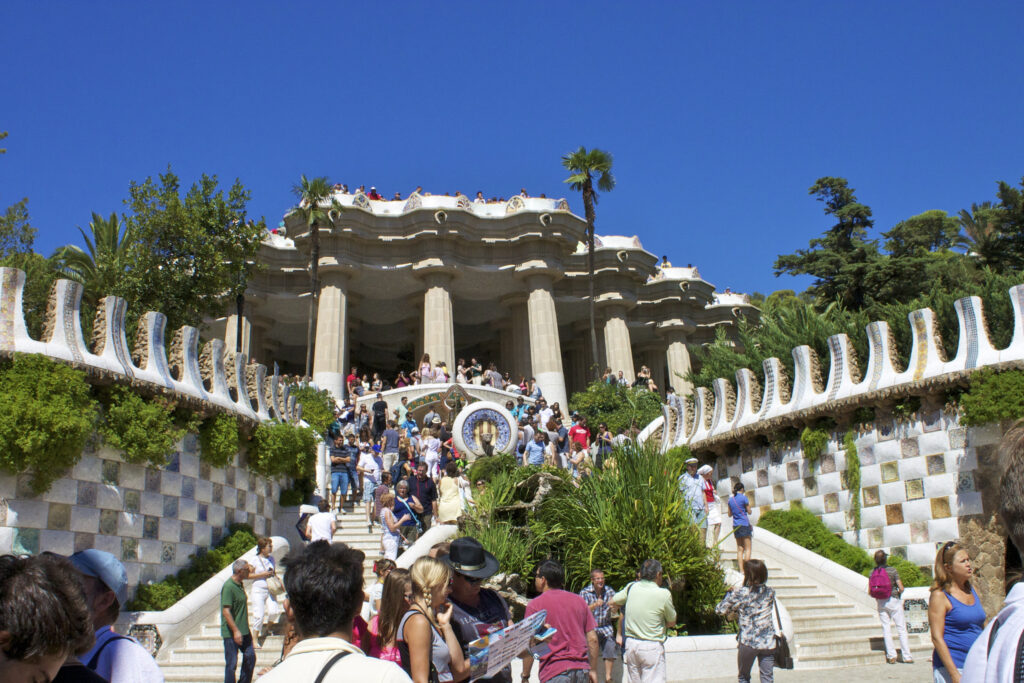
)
(369, 528)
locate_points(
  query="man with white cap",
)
(714, 518)
(117, 658)
(692, 488)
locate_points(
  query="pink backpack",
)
(880, 584)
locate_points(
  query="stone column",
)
(678, 357)
(231, 334)
(656, 359)
(545, 348)
(438, 326)
(521, 361)
(331, 352)
(618, 350)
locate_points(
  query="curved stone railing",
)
(415, 201)
(732, 411)
(214, 376)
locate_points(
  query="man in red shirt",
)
(351, 381)
(574, 655)
(579, 432)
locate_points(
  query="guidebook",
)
(493, 652)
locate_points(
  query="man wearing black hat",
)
(476, 611)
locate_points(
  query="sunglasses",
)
(469, 579)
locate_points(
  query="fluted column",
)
(678, 357)
(618, 350)
(438, 326)
(331, 351)
(522, 364)
(545, 348)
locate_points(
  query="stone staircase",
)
(830, 631)
(199, 658)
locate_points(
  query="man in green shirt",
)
(234, 625)
(648, 613)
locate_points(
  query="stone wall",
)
(153, 519)
(924, 481)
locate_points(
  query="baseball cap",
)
(108, 569)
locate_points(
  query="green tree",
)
(618, 407)
(919, 254)
(583, 165)
(842, 257)
(1011, 224)
(981, 234)
(107, 259)
(316, 208)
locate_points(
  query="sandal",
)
(890, 660)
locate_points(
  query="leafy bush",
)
(281, 449)
(46, 416)
(218, 440)
(317, 407)
(993, 397)
(299, 492)
(813, 443)
(801, 527)
(853, 476)
(144, 431)
(204, 564)
(487, 468)
(618, 407)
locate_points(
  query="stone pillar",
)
(521, 361)
(231, 335)
(618, 350)
(438, 326)
(331, 352)
(656, 360)
(678, 357)
(545, 348)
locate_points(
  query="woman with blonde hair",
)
(425, 370)
(955, 614)
(426, 640)
(391, 526)
(394, 603)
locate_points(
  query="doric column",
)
(545, 348)
(618, 350)
(521, 361)
(331, 352)
(678, 357)
(438, 326)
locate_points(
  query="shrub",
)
(281, 449)
(144, 431)
(801, 527)
(317, 407)
(299, 492)
(487, 468)
(204, 564)
(218, 440)
(993, 397)
(813, 443)
(616, 406)
(46, 416)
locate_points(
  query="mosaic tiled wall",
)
(153, 519)
(919, 481)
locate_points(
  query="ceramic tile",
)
(26, 542)
(909, 448)
(869, 494)
(108, 522)
(778, 493)
(129, 549)
(152, 480)
(965, 482)
(84, 541)
(170, 506)
(204, 470)
(202, 511)
(150, 527)
(894, 513)
(132, 501)
(87, 494)
(936, 463)
(827, 463)
(762, 477)
(940, 508)
(919, 532)
(186, 532)
(167, 553)
(110, 472)
(874, 538)
(890, 472)
(831, 502)
(59, 517)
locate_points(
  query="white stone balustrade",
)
(731, 407)
(215, 376)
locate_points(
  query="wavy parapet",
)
(223, 380)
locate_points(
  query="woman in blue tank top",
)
(955, 614)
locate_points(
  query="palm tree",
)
(981, 234)
(313, 194)
(105, 260)
(583, 165)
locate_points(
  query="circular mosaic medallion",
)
(483, 426)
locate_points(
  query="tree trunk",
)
(588, 205)
(314, 296)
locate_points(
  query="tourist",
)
(561, 442)
(234, 624)
(533, 389)
(44, 621)
(739, 507)
(544, 413)
(340, 457)
(598, 597)
(573, 656)
(405, 509)
(352, 385)
(579, 432)
(376, 385)
(475, 371)
(325, 593)
(479, 198)
(955, 614)
(579, 461)
(460, 371)
(430, 452)
(425, 495)
(381, 568)
(449, 507)
(116, 658)
(494, 377)
(264, 567)
(647, 614)
(388, 443)
(995, 656)
(520, 408)
(429, 418)
(607, 377)
(380, 415)
(424, 370)
(402, 380)
(477, 610)
(604, 445)
(374, 194)
(691, 485)
(369, 468)
(391, 526)
(885, 586)
(441, 373)
(394, 603)
(714, 520)
(534, 453)
(426, 637)
(322, 525)
(753, 605)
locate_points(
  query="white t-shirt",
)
(262, 565)
(376, 592)
(371, 477)
(545, 416)
(123, 661)
(320, 526)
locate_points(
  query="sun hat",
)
(704, 469)
(467, 557)
(692, 461)
(101, 565)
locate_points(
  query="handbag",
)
(783, 657)
(275, 586)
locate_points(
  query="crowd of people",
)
(473, 372)
(376, 195)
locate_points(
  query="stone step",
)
(828, 633)
(819, 611)
(810, 623)
(206, 654)
(798, 590)
(834, 661)
(811, 600)
(848, 644)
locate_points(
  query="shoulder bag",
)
(331, 662)
(783, 657)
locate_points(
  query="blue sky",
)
(720, 115)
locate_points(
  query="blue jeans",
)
(339, 481)
(231, 659)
